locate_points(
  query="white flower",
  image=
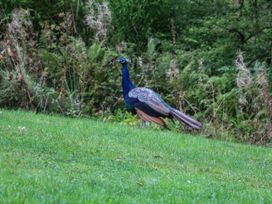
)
(21, 128)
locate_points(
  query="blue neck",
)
(127, 85)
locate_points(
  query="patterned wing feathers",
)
(150, 98)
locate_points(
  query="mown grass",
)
(51, 159)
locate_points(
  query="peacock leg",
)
(143, 124)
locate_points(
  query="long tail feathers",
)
(186, 119)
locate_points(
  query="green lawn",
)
(52, 159)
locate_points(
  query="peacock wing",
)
(151, 98)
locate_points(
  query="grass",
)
(52, 159)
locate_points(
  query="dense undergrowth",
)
(212, 59)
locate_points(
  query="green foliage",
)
(52, 60)
(10, 90)
(138, 27)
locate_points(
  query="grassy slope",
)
(60, 160)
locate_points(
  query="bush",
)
(65, 64)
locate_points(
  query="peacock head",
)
(123, 60)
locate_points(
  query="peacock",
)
(148, 104)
